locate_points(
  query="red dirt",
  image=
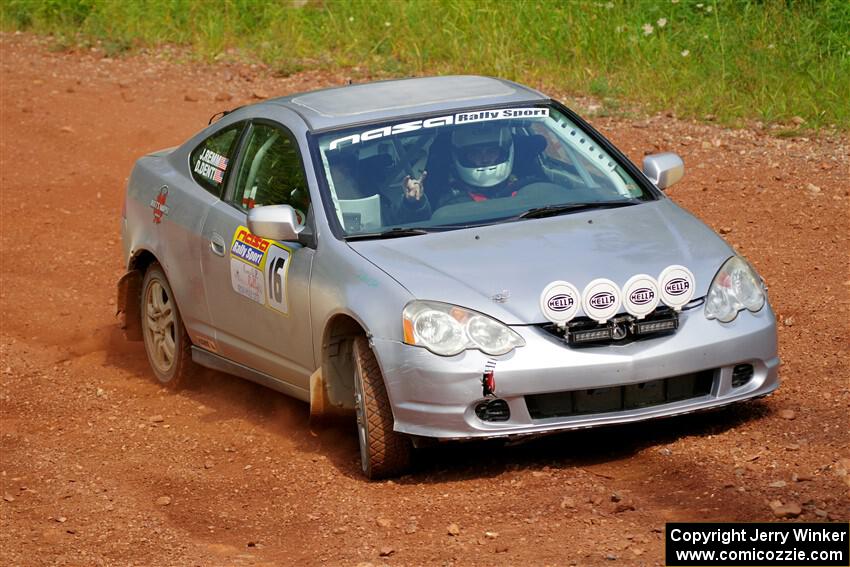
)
(89, 443)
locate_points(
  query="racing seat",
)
(527, 150)
(372, 173)
(439, 167)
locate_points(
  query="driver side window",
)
(271, 172)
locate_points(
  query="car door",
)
(179, 204)
(258, 290)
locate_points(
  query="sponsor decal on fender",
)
(158, 205)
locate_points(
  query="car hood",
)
(468, 267)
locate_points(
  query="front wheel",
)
(383, 451)
(166, 342)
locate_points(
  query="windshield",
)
(468, 169)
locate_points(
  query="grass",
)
(735, 60)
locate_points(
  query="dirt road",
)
(102, 467)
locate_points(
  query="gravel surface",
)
(100, 466)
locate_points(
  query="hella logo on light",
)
(602, 300)
(642, 296)
(560, 302)
(677, 286)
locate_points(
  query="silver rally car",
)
(443, 258)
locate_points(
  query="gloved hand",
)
(414, 189)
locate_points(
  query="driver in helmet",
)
(483, 159)
(482, 166)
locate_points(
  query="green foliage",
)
(735, 59)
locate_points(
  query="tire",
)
(166, 342)
(383, 452)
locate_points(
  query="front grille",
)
(741, 374)
(620, 398)
(621, 329)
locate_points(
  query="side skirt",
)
(214, 361)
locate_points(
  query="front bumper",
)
(434, 396)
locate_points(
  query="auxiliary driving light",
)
(646, 327)
(591, 335)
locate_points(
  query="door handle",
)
(217, 244)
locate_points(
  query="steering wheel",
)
(544, 191)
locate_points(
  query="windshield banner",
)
(458, 119)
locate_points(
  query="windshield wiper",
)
(396, 232)
(554, 210)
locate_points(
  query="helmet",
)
(483, 153)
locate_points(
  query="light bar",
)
(592, 335)
(646, 327)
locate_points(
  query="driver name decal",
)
(211, 165)
(214, 159)
(208, 171)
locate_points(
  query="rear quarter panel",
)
(175, 239)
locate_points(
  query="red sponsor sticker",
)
(158, 205)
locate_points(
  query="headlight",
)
(447, 330)
(735, 287)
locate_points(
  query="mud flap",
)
(322, 410)
(129, 302)
(318, 396)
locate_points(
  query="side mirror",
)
(663, 169)
(274, 222)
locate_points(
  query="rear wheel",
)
(166, 342)
(383, 452)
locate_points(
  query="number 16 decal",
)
(277, 264)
